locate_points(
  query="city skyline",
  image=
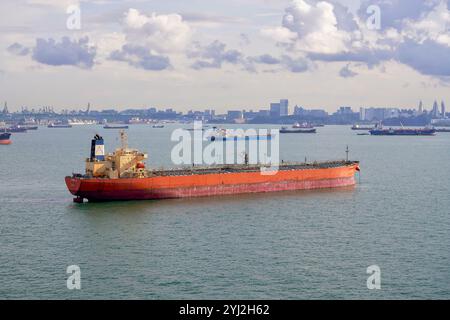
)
(276, 110)
(223, 55)
(283, 108)
(436, 107)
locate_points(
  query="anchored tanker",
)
(122, 175)
(4, 138)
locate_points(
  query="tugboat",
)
(4, 138)
(122, 175)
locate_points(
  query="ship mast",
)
(347, 151)
(123, 139)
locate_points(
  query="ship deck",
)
(237, 168)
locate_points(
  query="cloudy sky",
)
(224, 54)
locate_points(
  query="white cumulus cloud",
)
(434, 25)
(163, 33)
(310, 27)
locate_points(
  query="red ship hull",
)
(198, 185)
(4, 138)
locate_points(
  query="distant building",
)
(378, 114)
(314, 113)
(435, 111)
(443, 111)
(234, 116)
(248, 115)
(318, 113)
(284, 107)
(362, 114)
(420, 107)
(264, 113)
(279, 109)
(275, 110)
(196, 115)
(344, 115)
(209, 114)
(109, 112)
(391, 113)
(345, 110)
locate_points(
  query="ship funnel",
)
(97, 149)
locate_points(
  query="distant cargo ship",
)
(115, 126)
(362, 128)
(5, 138)
(122, 175)
(79, 122)
(59, 125)
(403, 132)
(76, 122)
(228, 135)
(286, 130)
(16, 129)
(443, 130)
(196, 129)
(304, 125)
(28, 127)
(239, 138)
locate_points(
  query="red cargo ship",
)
(122, 176)
(5, 138)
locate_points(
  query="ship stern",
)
(73, 184)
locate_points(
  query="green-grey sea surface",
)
(289, 245)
